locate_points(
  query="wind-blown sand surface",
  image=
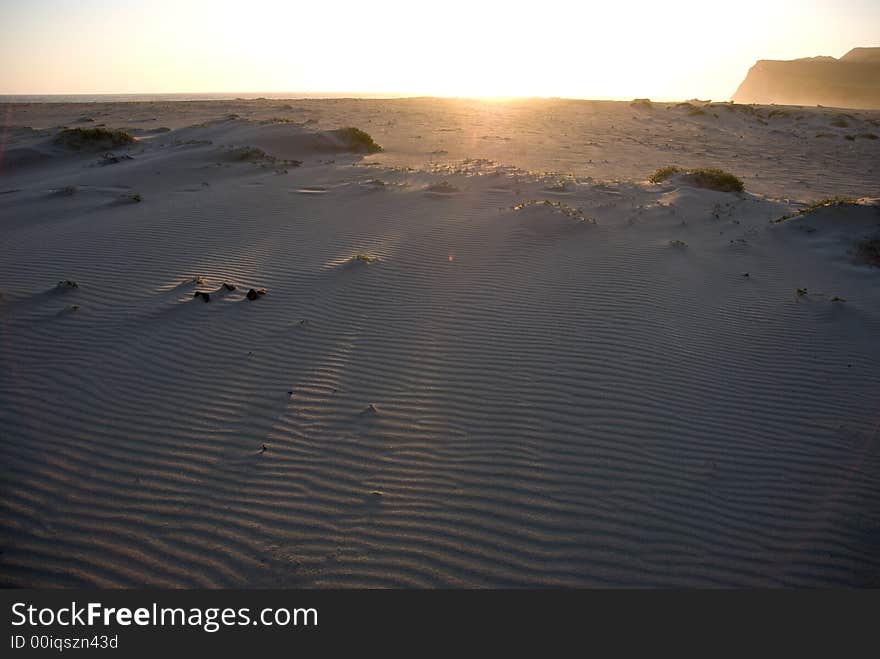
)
(491, 355)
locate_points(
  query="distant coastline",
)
(185, 96)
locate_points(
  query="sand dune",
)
(502, 365)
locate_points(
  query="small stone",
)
(205, 296)
(228, 286)
(253, 294)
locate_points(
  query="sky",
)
(660, 49)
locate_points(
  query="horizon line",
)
(339, 95)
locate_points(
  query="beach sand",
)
(492, 354)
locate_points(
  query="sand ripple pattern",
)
(476, 403)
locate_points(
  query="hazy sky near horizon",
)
(673, 49)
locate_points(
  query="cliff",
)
(853, 81)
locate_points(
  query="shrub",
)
(664, 173)
(81, 138)
(359, 141)
(829, 201)
(716, 179)
(710, 177)
(249, 153)
(443, 186)
(278, 120)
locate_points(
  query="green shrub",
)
(829, 201)
(81, 138)
(359, 141)
(708, 177)
(716, 179)
(664, 173)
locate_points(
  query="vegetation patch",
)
(822, 203)
(93, 138)
(249, 154)
(258, 156)
(279, 120)
(443, 187)
(665, 173)
(359, 141)
(706, 177)
(715, 179)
